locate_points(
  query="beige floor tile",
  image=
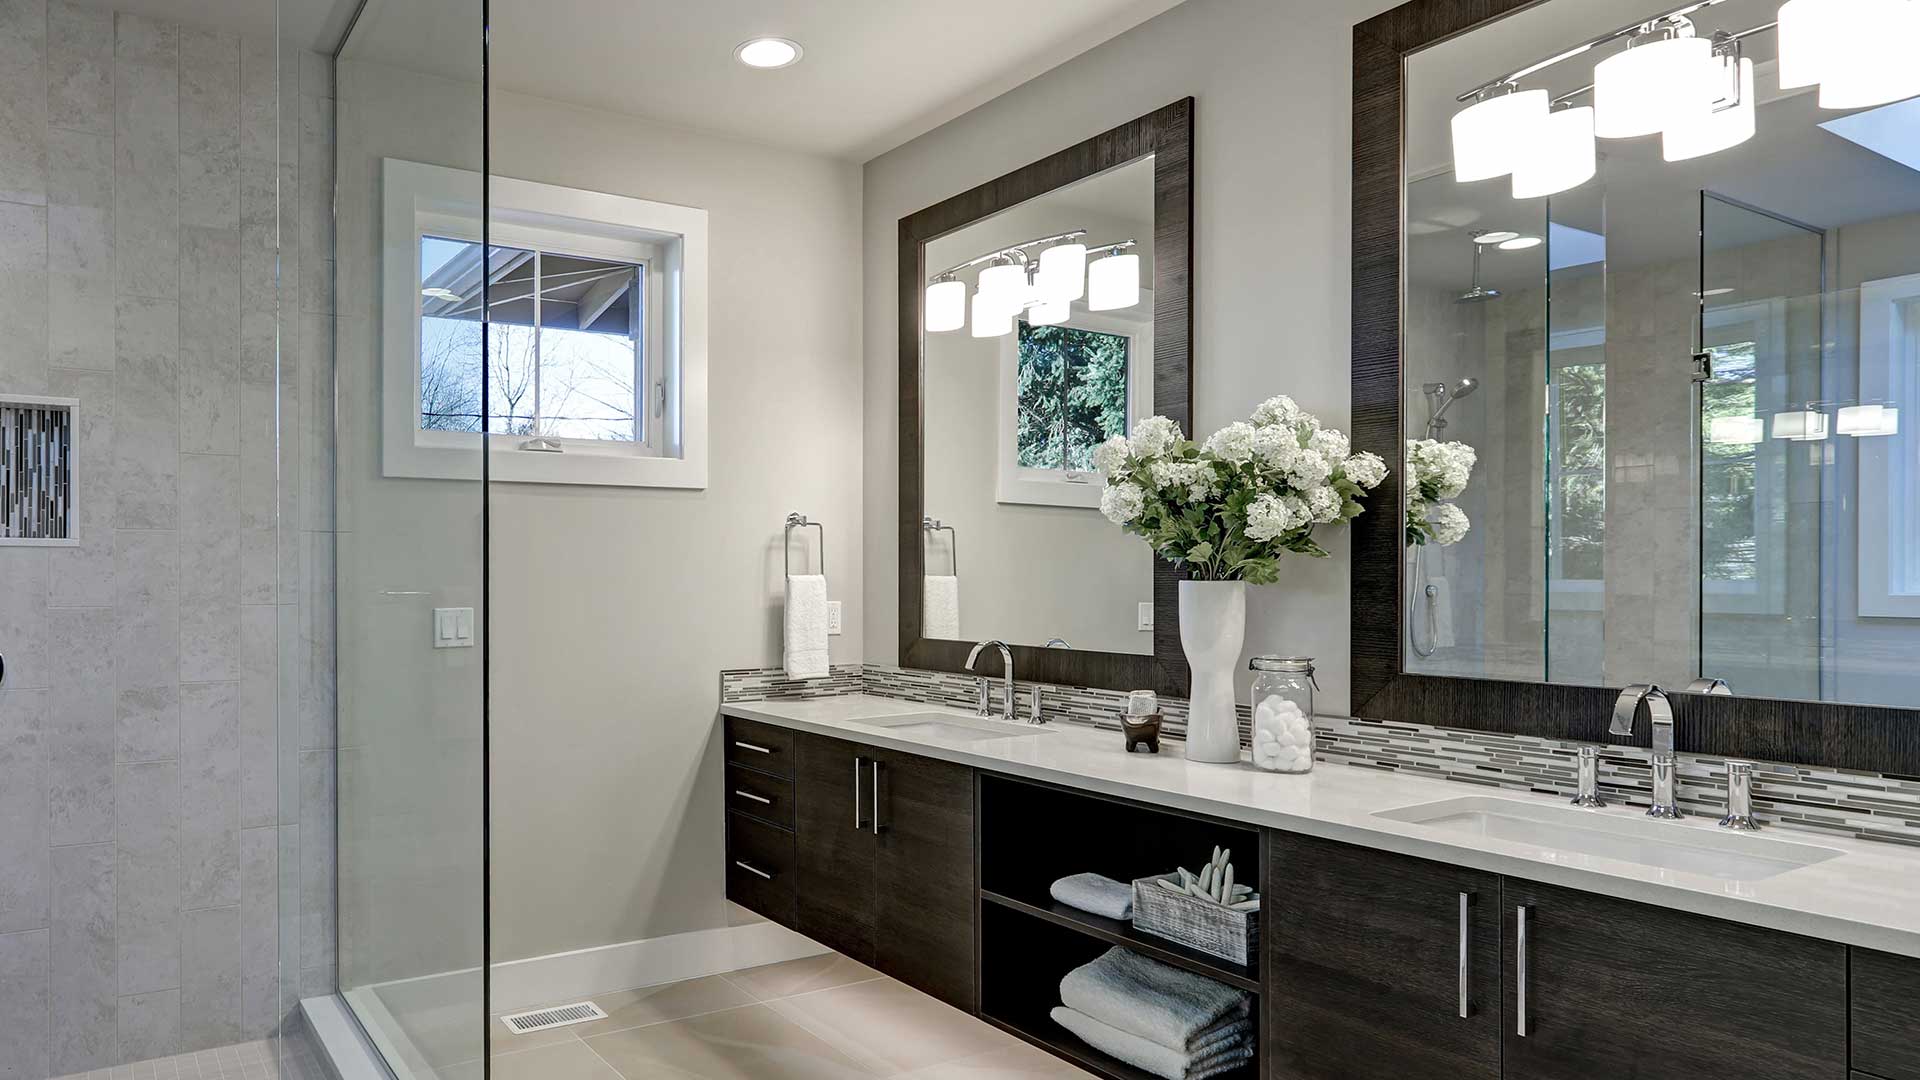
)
(656, 1004)
(1017, 1061)
(891, 1027)
(801, 976)
(748, 1043)
(560, 1061)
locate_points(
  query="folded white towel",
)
(940, 613)
(1095, 893)
(1151, 1056)
(1175, 1008)
(806, 649)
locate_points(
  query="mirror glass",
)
(1022, 381)
(1667, 290)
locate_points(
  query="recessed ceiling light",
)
(768, 52)
(1519, 243)
(1495, 236)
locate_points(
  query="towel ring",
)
(932, 524)
(799, 521)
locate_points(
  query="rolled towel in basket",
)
(1175, 1008)
(1096, 894)
(1159, 1060)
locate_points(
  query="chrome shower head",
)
(1477, 295)
(1465, 386)
(1440, 397)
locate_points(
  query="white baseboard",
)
(568, 976)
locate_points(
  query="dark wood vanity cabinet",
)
(1886, 1015)
(1381, 965)
(835, 848)
(1598, 984)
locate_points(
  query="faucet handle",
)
(1589, 790)
(1740, 797)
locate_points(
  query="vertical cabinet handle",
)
(1466, 949)
(857, 762)
(876, 798)
(1520, 970)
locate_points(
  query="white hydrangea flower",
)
(1122, 503)
(1331, 444)
(1270, 517)
(1446, 465)
(1232, 443)
(1307, 469)
(1154, 436)
(1275, 446)
(1324, 504)
(1448, 522)
(1110, 456)
(1279, 411)
(1365, 469)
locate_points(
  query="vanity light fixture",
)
(1049, 312)
(1562, 154)
(768, 53)
(1736, 430)
(1518, 243)
(1858, 51)
(1800, 425)
(1866, 421)
(1660, 81)
(1489, 134)
(1016, 282)
(946, 304)
(1005, 283)
(1062, 276)
(990, 317)
(1724, 126)
(1113, 281)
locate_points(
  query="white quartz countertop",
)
(1867, 895)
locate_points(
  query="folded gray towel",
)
(1096, 894)
(1151, 1056)
(1174, 1008)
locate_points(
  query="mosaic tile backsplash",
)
(1870, 806)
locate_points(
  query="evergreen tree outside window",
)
(1071, 395)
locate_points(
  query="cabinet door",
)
(1368, 956)
(1616, 988)
(926, 876)
(834, 844)
(1886, 1014)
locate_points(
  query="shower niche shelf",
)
(37, 471)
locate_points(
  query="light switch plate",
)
(833, 617)
(453, 628)
(1146, 616)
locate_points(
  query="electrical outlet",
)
(1146, 617)
(833, 617)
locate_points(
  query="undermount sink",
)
(954, 728)
(1570, 834)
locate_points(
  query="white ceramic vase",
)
(1213, 627)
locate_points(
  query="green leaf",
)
(1200, 552)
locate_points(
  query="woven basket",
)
(1199, 924)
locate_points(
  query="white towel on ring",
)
(940, 613)
(806, 646)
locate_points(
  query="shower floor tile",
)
(241, 1061)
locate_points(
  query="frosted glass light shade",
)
(1561, 155)
(1868, 420)
(1113, 282)
(1488, 135)
(1807, 33)
(1869, 53)
(1063, 272)
(1652, 87)
(1715, 131)
(990, 317)
(1005, 281)
(1049, 312)
(1800, 425)
(1736, 430)
(946, 306)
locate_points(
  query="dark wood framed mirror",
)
(1158, 149)
(1869, 737)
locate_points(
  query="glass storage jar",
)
(1283, 713)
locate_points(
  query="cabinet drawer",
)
(1886, 1015)
(759, 746)
(763, 796)
(760, 864)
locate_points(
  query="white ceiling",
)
(876, 72)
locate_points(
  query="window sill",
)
(512, 465)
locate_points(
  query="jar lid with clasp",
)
(1295, 664)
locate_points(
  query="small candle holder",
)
(1142, 732)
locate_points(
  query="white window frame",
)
(670, 241)
(1057, 487)
(1886, 495)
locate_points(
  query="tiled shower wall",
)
(166, 777)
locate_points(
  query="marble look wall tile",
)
(259, 693)
(260, 239)
(23, 1004)
(148, 724)
(146, 573)
(23, 615)
(259, 100)
(77, 335)
(83, 986)
(259, 931)
(209, 568)
(318, 705)
(317, 928)
(210, 978)
(210, 340)
(80, 242)
(82, 575)
(146, 158)
(210, 191)
(81, 726)
(209, 94)
(23, 101)
(146, 414)
(23, 297)
(23, 807)
(149, 1025)
(80, 68)
(147, 878)
(80, 169)
(210, 794)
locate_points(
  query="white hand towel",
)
(940, 613)
(1151, 1056)
(806, 652)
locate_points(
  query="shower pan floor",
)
(242, 1061)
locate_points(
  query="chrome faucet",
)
(1006, 671)
(1740, 798)
(1660, 711)
(1589, 792)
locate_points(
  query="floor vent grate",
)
(559, 1016)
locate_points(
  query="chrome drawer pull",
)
(856, 793)
(761, 799)
(1466, 941)
(876, 798)
(750, 746)
(1520, 970)
(754, 870)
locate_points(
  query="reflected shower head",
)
(1465, 386)
(1478, 293)
(1440, 397)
